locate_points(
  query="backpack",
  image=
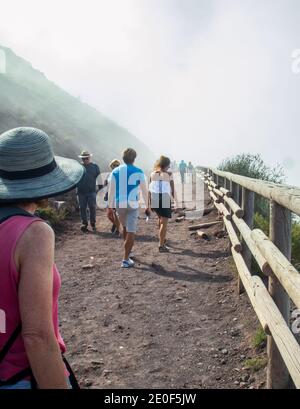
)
(5, 214)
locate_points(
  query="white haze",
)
(194, 79)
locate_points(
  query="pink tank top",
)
(10, 232)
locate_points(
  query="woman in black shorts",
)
(162, 192)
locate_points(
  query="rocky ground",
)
(173, 321)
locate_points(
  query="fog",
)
(194, 79)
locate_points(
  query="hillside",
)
(28, 98)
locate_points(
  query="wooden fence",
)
(233, 195)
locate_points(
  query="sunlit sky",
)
(197, 80)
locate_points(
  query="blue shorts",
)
(18, 385)
(25, 385)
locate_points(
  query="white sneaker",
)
(131, 262)
(126, 264)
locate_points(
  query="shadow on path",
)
(212, 254)
(186, 274)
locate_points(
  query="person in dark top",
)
(182, 170)
(87, 190)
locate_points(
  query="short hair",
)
(114, 163)
(129, 156)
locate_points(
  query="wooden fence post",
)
(235, 192)
(248, 207)
(280, 233)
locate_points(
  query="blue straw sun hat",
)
(29, 169)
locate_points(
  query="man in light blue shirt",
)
(127, 181)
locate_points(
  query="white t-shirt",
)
(161, 182)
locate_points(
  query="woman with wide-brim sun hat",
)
(31, 346)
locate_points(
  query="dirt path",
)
(173, 321)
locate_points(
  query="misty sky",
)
(194, 79)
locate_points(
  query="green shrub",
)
(253, 166)
(256, 363)
(296, 244)
(52, 216)
(261, 222)
(259, 338)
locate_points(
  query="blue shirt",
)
(128, 179)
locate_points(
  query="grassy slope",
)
(28, 98)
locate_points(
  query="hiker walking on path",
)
(162, 191)
(115, 229)
(182, 170)
(190, 167)
(31, 348)
(127, 181)
(87, 190)
(191, 171)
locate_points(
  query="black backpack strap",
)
(7, 212)
(10, 342)
(22, 374)
(72, 376)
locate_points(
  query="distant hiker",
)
(162, 191)
(190, 167)
(173, 166)
(87, 190)
(126, 182)
(182, 170)
(31, 349)
(191, 171)
(115, 229)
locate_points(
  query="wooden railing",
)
(233, 195)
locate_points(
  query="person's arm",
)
(112, 192)
(149, 193)
(99, 181)
(34, 257)
(173, 191)
(145, 193)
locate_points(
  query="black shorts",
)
(161, 205)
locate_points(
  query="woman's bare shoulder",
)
(38, 235)
(36, 241)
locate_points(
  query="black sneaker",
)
(94, 228)
(163, 249)
(166, 246)
(84, 228)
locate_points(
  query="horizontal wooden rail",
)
(234, 207)
(246, 234)
(236, 244)
(270, 318)
(272, 303)
(286, 196)
(222, 209)
(225, 192)
(282, 268)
